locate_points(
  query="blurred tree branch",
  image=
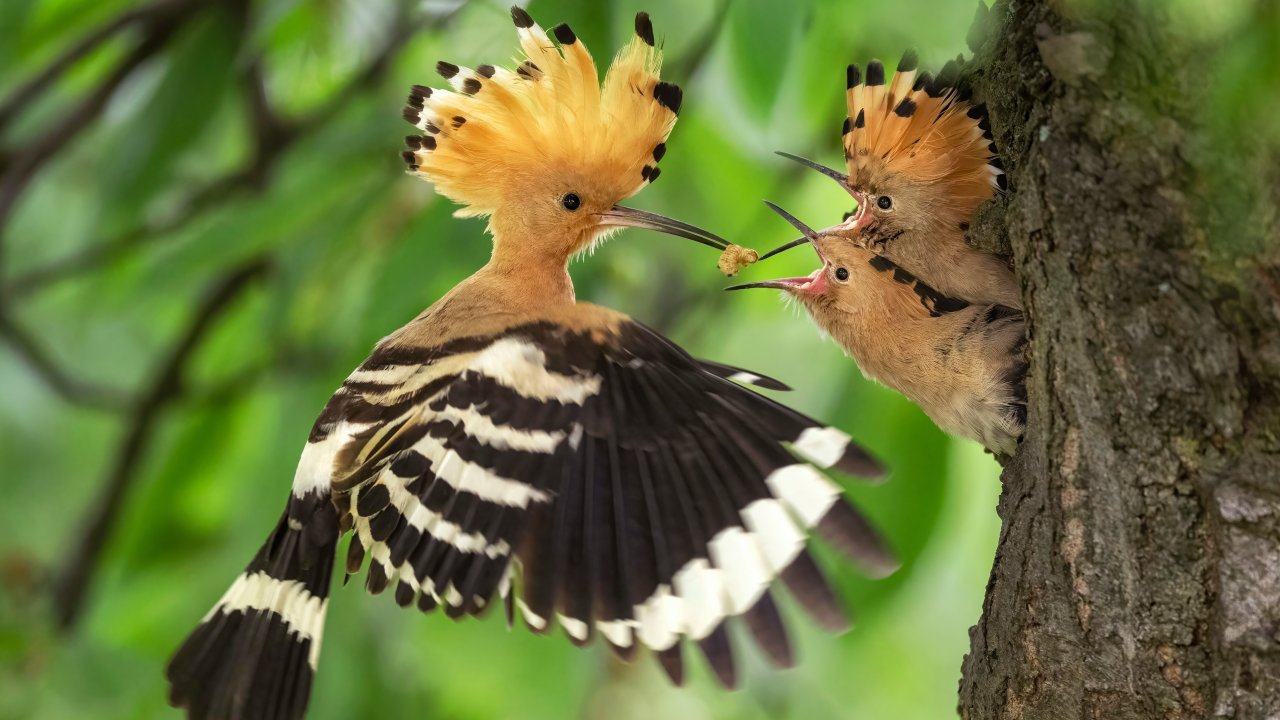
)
(273, 134)
(71, 388)
(166, 388)
(29, 91)
(19, 168)
(21, 165)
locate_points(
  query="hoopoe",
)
(962, 363)
(513, 445)
(920, 160)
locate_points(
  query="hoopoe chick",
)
(961, 362)
(920, 161)
(513, 446)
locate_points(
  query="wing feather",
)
(608, 483)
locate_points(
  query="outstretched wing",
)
(643, 495)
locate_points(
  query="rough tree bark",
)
(1138, 569)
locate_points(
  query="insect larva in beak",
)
(736, 257)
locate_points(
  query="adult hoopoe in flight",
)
(511, 445)
(961, 362)
(920, 160)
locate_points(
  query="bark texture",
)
(1138, 569)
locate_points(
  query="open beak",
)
(852, 224)
(814, 282)
(619, 216)
(833, 174)
(791, 283)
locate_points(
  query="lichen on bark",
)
(1138, 568)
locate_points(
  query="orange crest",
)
(920, 128)
(497, 133)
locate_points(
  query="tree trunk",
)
(1138, 569)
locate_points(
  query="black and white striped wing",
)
(644, 497)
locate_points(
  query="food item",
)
(736, 257)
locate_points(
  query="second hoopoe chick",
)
(920, 160)
(961, 362)
(512, 446)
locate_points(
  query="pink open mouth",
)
(816, 280)
(858, 219)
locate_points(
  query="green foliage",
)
(356, 249)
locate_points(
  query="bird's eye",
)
(571, 202)
(884, 202)
(842, 274)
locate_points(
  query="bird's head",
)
(546, 150)
(919, 157)
(855, 282)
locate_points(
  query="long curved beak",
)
(809, 235)
(833, 174)
(812, 282)
(791, 283)
(783, 248)
(852, 223)
(619, 216)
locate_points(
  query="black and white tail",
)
(254, 654)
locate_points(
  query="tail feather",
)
(254, 654)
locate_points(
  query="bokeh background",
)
(205, 224)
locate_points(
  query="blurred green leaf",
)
(170, 121)
(761, 38)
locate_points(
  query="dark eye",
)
(571, 202)
(842, 274)
(884, 202)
